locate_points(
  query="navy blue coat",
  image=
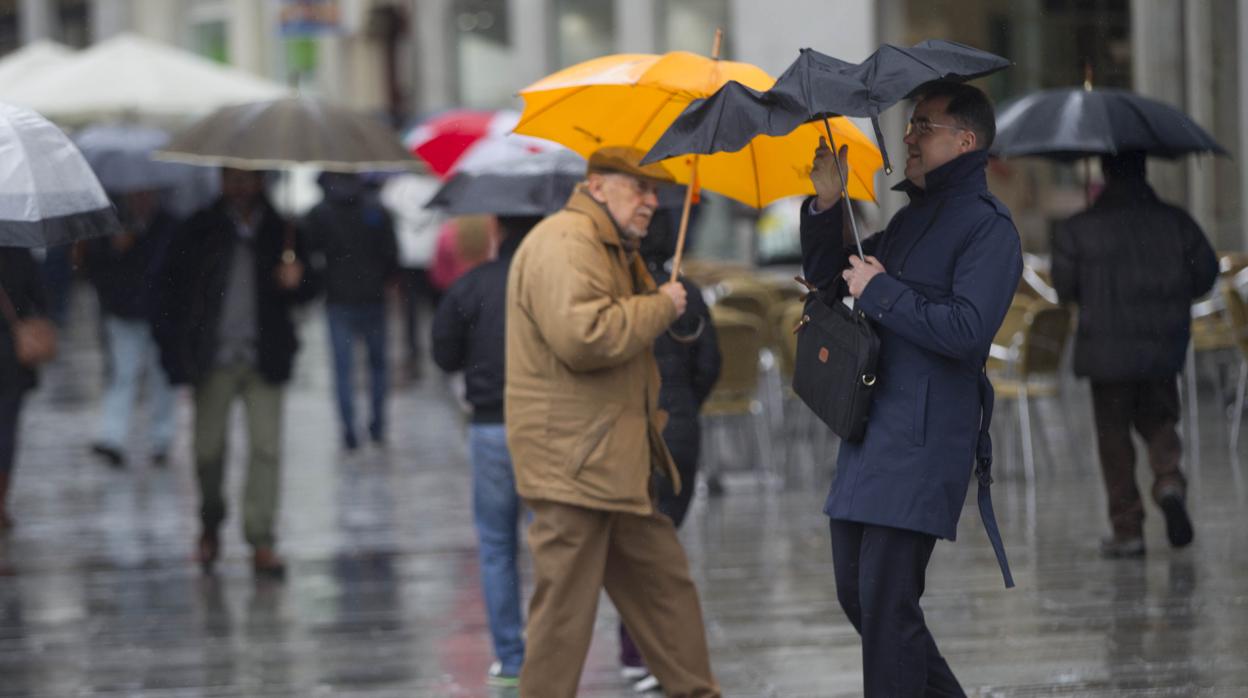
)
(953, 261)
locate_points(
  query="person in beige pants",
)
(584, 430)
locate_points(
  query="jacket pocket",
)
(591, 438)
(920, 411)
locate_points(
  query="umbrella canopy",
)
(25, 64)
(291, 131)
(1073, 123)
(525, 185)
(48, 194)
(442, 140)
(630, 99)
(816, 86)
(121, 156)
(129, 77)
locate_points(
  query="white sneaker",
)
(633, 674)
(496, 677)
(646, 685)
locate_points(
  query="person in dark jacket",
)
(469, 335)
(224, 325)
(352, 237)
(22, 281)
(1134, 264)
(936, 285)
(124, 270)
(689, 363)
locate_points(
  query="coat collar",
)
(965, 174)
(583, 203)
(1125, 192)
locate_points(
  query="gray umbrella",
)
(48, 194)
(523, 185)
(292, 131)
(1073, 123)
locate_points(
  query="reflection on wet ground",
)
(98, 595)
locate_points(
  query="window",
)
(482, 53)
(584, 29)
(689, 25)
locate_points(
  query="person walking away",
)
(583, 428)
(689, 362)
(469, 336)
(936, 285)
(352, 240)
(124, 270)
(1134, 265)
(22, 292)
(416, 230)
(234, 274)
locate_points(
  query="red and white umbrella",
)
(450, 140)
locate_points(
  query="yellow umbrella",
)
(631, 99)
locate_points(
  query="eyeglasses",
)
(643, 187)
(925, 127)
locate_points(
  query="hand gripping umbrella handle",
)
(836, 157)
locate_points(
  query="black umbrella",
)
(1073, 123)
(526, 185)
(817, 87)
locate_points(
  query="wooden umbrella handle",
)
(716, 45)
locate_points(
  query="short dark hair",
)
(1126, 165)
(968, 106)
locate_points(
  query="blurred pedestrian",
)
(22, 296)
(234, 274)
(583, 428)
(689, 363)
(463, 243)
(469, 335)
(124, 269)
(353, 238)
(1134, 264)
(935, 284)
(416, 229)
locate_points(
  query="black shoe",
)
(111, 456)
(160, 459)
(1178, 524)
(378, 436)
(349, 442)
(207, 549)
(1116, 548)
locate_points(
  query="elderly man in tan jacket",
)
(584, 430)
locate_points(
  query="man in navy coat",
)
(936, 285)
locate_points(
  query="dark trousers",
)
(880, 575)
(346, 322)
(10, 416)
(1152, 408)
(416, 291)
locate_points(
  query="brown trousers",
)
(576, 552)
(1152, 407)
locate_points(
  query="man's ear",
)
(969, 141)
(594, 183)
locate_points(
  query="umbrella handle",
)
(836, 157)
(684, 222)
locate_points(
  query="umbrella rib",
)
(526, 120)
(649, 120)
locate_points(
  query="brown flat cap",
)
(625, 160)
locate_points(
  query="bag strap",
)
(983, 473)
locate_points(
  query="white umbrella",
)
(26, 63)
(48, 193)
(130, 77)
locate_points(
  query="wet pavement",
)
(98, 594)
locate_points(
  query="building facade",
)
(407, 58)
